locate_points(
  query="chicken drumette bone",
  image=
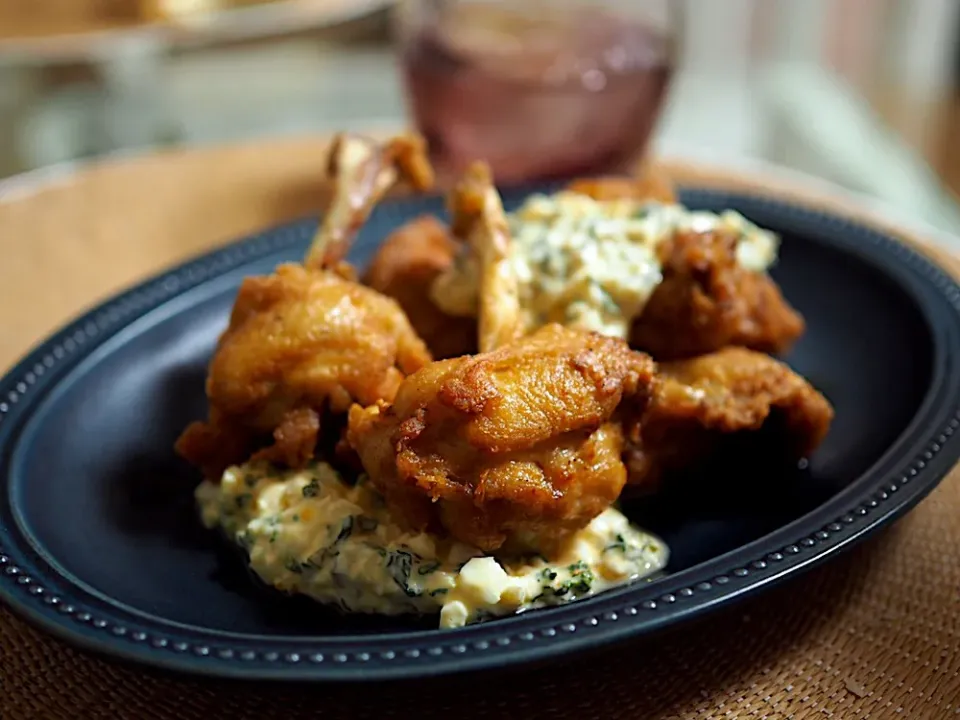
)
(306, 341)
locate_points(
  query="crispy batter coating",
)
(510, 450)
(299, 342)
(708, 301)
(301, 334)
(649, 184)
(699, 403)
(216, 444)
(307, 341)
(405, 267)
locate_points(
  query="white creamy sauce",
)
(310, 532)
(593, 264)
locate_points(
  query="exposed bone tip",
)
(363, 171)
(408, 153)
(467, 201)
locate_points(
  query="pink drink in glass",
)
(569, 90)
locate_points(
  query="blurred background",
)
(864, 93)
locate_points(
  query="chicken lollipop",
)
(516, 448)
(710, 299)
(305, 342)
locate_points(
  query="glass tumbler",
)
(540, 89)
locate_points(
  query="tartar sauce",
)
(310, 532)
(593, 264)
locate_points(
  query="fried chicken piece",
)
(511, 450)
(405, 267)
(700, 404)
(649, 184)
(216, 444)
(516, 448)
(708, 301)
(307, 341)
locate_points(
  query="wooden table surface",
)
(75, 240)
(854, 639)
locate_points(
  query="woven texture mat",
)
(873, 634)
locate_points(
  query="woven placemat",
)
(873, 634)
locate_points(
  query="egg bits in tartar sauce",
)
(310, 532)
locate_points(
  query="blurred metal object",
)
(176, 24)
(122, 99)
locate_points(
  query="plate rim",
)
(599, 620)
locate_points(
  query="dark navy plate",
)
(100, 543)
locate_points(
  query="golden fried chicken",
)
(307, 340)
(699, 404)
(708, 300)
(648, 184)
(404, 269)
(510, 450)
(515, 448)
(301, 342)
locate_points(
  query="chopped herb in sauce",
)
(581, 578)
(428, 568)
(400, 565)
(619, 545)
(344, 550)
(345, 529)
(548, 575)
